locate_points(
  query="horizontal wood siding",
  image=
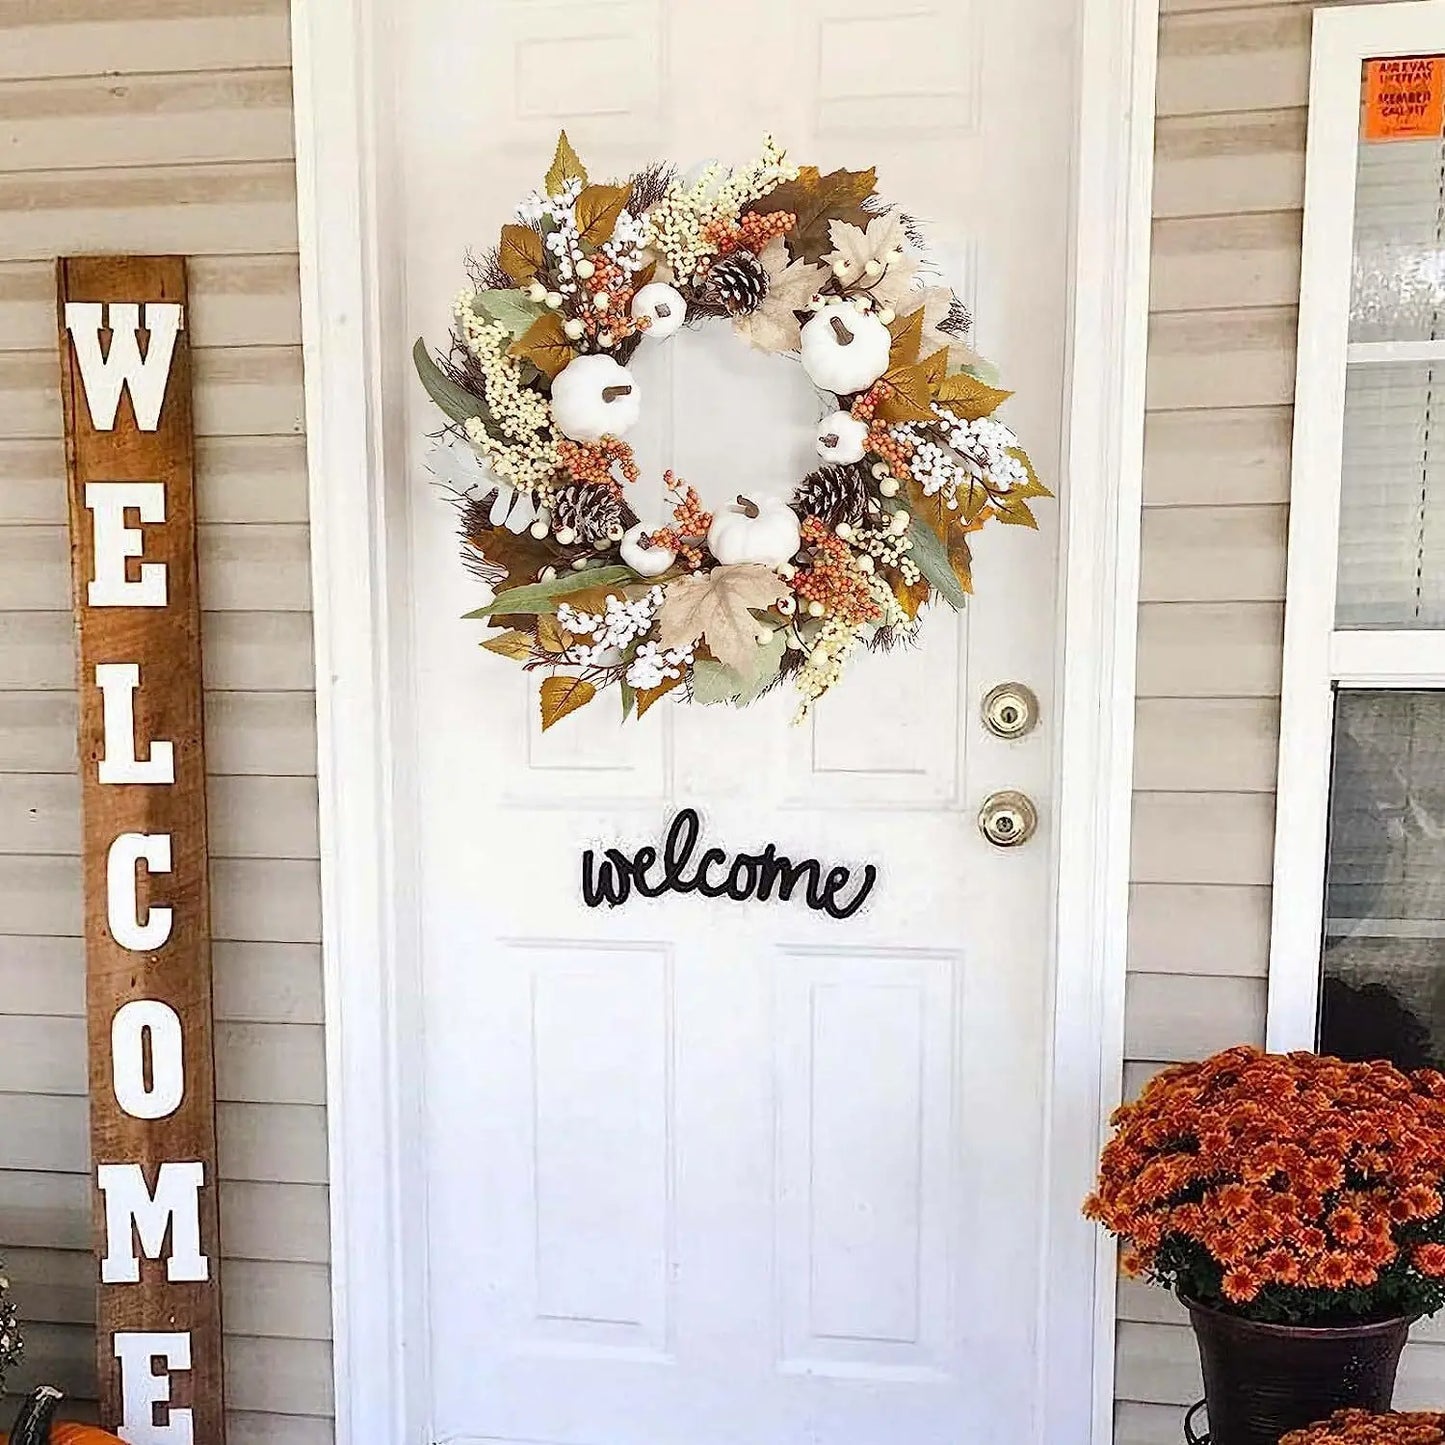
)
(165, 126)
(1224, 295)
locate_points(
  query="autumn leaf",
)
(905, 392)
(516, 645)
(817, 200)
(511, 309)
(855, 247)
(597, 210)
(550, 634)
(774, 326)
(564, 695)
(535, 598)
(970, 398)
(646, 696)
(935, 368)
(520, 253)
(907, 334)
(911, 595)
(545, 345)
(566, 166)
(718, 607)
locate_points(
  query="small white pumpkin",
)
(844, 350)
(842, 438)
(766, 532)
(645, 561)
(664, 307)
(593, 397)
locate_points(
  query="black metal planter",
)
(1261, 1381)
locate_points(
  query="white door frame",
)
(351, 291)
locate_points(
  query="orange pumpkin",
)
(36, 1424)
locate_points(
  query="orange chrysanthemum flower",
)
(1360, 1427)
(1283, 1186)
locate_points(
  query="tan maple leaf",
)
(855, 247)
(717, 607)
(773, 326)
(934, 302)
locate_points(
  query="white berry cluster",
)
(952, 453)
(891, 610)
(11, 1346)
(888, 548)
(675, 225)
(526, 453)
(621, 622)
(826, 658)
(653, 665)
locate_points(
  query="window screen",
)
(1383, 992)
(1391, 570)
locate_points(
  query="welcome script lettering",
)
(614, 877)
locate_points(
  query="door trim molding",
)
(358, 507)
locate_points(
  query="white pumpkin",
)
(663, 306)
(845, 350)
(842, 438)
(593, 397)
(645, 561)
(765, 532)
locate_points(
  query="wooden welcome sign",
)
(126, 379)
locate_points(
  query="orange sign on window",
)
(1405, 98)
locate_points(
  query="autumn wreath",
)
(538, 395)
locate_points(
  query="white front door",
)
(706, 1172)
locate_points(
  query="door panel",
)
(699, 1170)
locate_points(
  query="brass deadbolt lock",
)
(1011, 710)
(1008, 819)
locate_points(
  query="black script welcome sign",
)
(762, 876)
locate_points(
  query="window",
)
(1357, 961)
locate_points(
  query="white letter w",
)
(105, 377)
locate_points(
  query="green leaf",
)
(715, 682)
(712, 682)
(510, 308)
(544, 596)
(629, 697)
(930, 556)
(458, 403)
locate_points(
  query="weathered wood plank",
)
(1199, 928)
(1211, 165)
(185, 210)
(1204, 360)
(235, 301)
(1206, 745)
(108, 37)
(1203, 838)
(1213, 554)
(280, 1377)
(258, 900)
(154, 119)
(1231, 457)
(1248, 60)
(1171, 1016)
(1210, 649)
(1222, 262)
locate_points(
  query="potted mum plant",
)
(1360, 1427)
(1294, 1203)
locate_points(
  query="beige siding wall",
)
(165, 126)
(1229, 188)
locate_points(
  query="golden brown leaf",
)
(907, 334)
(646, 696)
(598, 208)
(911, 595)
(520, 556)
(520, 253)
(905, 393)
(566, 166)
(817, 200)
(970, 398)
(564, 695)
(935, 368)
(550, 634)
(718, 606)
(545, 345)
(516, 645)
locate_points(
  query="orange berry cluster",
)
(593, 463)
(832, 577)
(1360, 1427)
(748, 233)
(690, 522)
(881, 440)
(613, 317)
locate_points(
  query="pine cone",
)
(834, 494)
(590, 510)
(737, 283)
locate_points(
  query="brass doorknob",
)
(1010, 710)
(1008, 819)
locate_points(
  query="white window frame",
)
(1317, 657)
